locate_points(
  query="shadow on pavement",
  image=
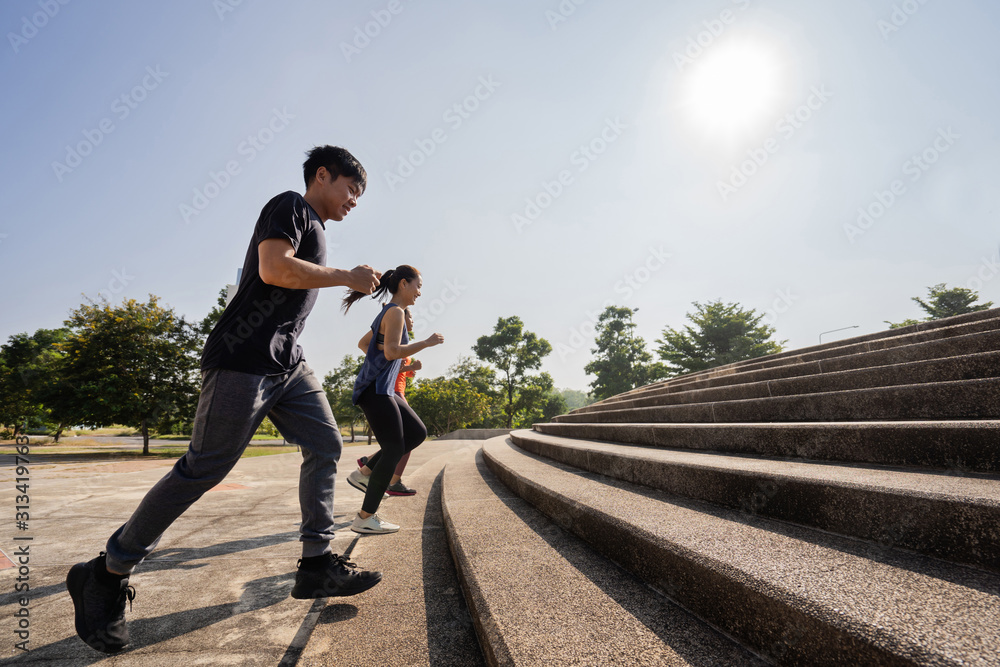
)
(146, 632)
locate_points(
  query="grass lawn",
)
(88, 448)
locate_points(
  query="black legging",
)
(398, 430)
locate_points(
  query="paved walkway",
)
(216, 590)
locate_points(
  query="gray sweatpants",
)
(231, 407)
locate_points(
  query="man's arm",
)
(279, 266)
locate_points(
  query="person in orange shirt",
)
(410, 365)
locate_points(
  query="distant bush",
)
(267, 428)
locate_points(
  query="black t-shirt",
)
(259, 329)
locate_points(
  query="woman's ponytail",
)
(388, 283)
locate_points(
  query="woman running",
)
(396, 427)
(407, 370)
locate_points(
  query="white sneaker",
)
(360, 482)
(373, 525)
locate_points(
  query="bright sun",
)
(733, 88)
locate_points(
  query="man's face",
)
(339, 195)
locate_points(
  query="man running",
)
(252, 367)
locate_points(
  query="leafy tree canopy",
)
(130, 364)
(719, 333)
(514, 352)
(621, 361)
(26, 366)
(446, 404)
(339, 386)
(943, 302)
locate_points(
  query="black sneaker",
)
(339, 577)
(400, 489)
(100, 608)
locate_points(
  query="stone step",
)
(540, 596)
(955, 518)
(796, 595)
(981, 322)
(962, 399)
(966, 367)
(955, 447)
(962, 325)
(968, 344)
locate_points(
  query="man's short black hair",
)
(337, 161)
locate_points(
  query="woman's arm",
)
(414, 365)
(393, 321)
(365, 341)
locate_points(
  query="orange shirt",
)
(401, 379)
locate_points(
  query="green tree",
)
(339, 387)
(210, 320)
(26, 365)
(722, 334)
(535, 401)
(554, 405)
(131, 363)
(621, 360)
(446, 404)
(905, 323)
(483, 379)
(574, 398)
(943, 302)
(514, 352)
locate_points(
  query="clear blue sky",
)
(540, 159)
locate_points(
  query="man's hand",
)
(363, 279)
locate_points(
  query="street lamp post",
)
(853, 326)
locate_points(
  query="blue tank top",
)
(376, 367)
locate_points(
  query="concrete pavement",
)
(216, 590)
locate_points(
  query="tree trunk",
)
(145, 438)
(59, 431)
(352, 431)
(369, 435)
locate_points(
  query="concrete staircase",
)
(835, 505)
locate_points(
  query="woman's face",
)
(409, 290)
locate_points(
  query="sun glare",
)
(732, 89)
